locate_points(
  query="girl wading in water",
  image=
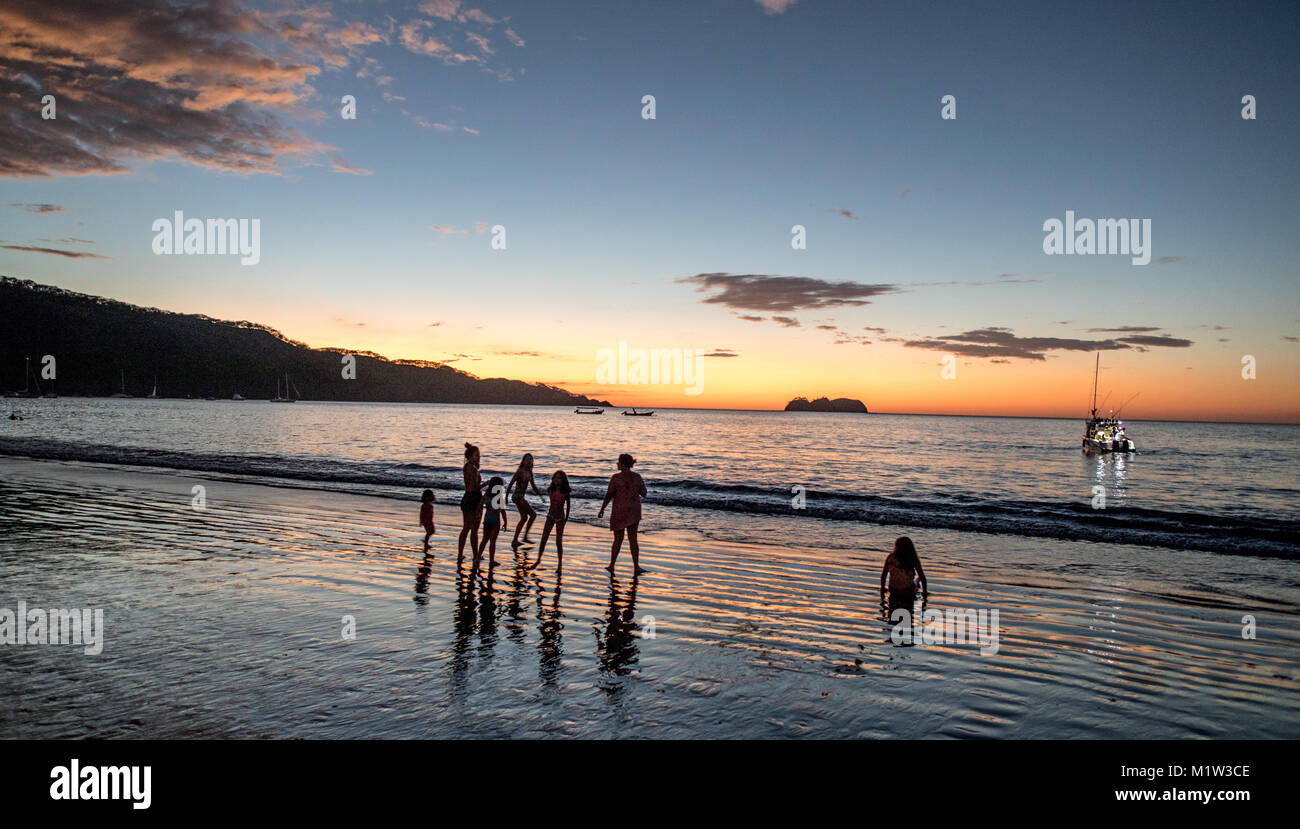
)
(471, 503)
(519, 484)
(626, 490)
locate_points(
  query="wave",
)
(1241, 535)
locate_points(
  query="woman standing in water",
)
(626, 490)
(471, 502)
(518, 484)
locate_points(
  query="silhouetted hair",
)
(626, 460)
(559, 482)
(526, 459)
(427, 495)
(470, 449)
(905, 552)
(495, 484)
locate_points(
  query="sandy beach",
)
(228, 622)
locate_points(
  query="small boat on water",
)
(588, 410)
(153, 395)
(286, 398)
(1104, 435)
(122, 393)
(635, 413)
(28, 374)
(237, 396)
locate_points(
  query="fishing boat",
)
(122, 393)
(286, 398)
(588, 410)
(27, 382)
(635, 413)
(1104, 435)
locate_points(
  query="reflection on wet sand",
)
(550, 645)
(616, 644)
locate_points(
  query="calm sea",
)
(745, 476)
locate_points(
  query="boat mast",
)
(1095, 373)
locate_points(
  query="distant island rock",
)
(822, 404)
(105, 346)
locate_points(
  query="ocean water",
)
(1227, 488)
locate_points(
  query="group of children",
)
(900, 577)
(488, 502)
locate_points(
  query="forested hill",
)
(94, 340)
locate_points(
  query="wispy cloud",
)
(37, 208)
(775, 6)
(70, 254)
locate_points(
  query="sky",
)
(923, 284)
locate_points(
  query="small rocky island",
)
(822, 404)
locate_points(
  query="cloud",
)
(514, 38)
(1124, 329)
(750, 317)
(441, 9)
(787, 322)
(873, 330)
(481, 42)
(828, 328)
(1291, 339)
(338, 165)
(775, 6)
(517, 353)
(470, 130)
(70, 254)
(203, 83)
(1001, 342)
(1161, 341)
(37, 208)
(1169, 260)
(843, 211)
(477, 16)
(722, 352)
(435, 324)
(756, 292)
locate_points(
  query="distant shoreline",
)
(12, 400)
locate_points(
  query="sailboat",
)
(27, 382)
(1104, 435)
(153, 395)
(286, 399)
(122, 393)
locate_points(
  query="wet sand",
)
(227, 622)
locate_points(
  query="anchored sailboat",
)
(28, 376)
(122, 393)
(286, 398)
